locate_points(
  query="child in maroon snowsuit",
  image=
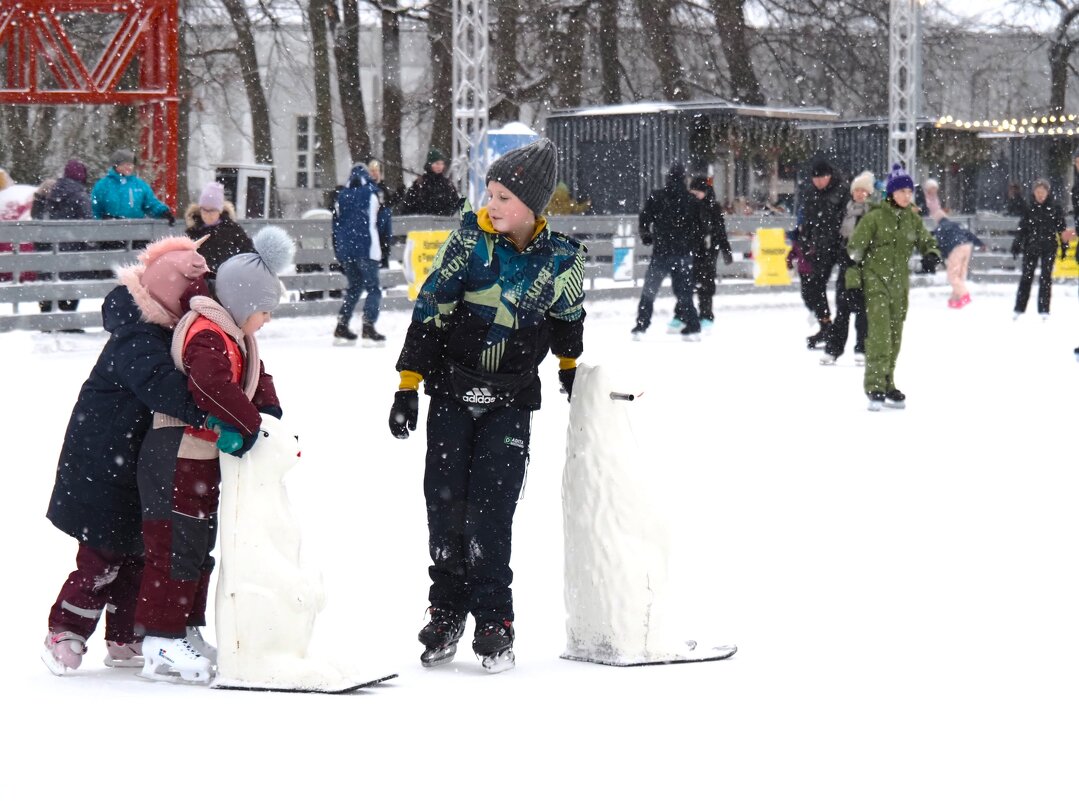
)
(179, 472)
(95, 498)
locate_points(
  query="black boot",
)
(368, 332)
(440, 636)
(493, 644)
(342, 333)
(819, 338)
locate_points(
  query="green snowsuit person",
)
(881, 247)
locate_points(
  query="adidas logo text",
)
(479, 395)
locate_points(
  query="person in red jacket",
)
(179, 474)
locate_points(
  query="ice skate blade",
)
(55, 668)
(153, 672)
(500, 662)
(895, 404)
(875, 406)
(133, 662)
(433, 657)
(370, 343)
(344, 343)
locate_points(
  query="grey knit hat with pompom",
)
(247, 283)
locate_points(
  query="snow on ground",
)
(902, 586)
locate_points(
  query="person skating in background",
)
(503, 291)
(386, 200)
(710, 243)
(881, 247)
(432, 193)
(66, 199)
(848, 301)
(818, 237)
(671, 222)
(1037, 239)
(179, 471)
(95, 498)
(957, 245)
(214, 218)
(122, 195)
(357, 246)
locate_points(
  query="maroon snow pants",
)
(179, 485)
(101, 582)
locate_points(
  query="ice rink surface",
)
(902, 586)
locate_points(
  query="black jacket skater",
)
(95, 498)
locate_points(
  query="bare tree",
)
(439, 36)
(246, 54)
(507, 67)
(391, 94)
(657, 18)
(346, 51)
(611, 84)
(730, 18)
(322, 14)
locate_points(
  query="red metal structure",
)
(39, 64)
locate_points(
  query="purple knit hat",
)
(212, 197)
(898, 179)
(75, 170)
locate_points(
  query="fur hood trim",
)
(152, 311)
(192, 216)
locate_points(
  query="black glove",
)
(249, 443)
(728, 259)
(930, 262)
(404, 412)
(170, 217)
(565, 378)
(1063, 249)
(646, 239)
(273, 411)
(1016, 249)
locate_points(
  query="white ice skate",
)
(194, 636)
(174, 660)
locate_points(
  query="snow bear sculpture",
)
(266, 600)
(616, 546)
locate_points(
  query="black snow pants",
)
(476, 466)
(1031, 261)
(847, 303)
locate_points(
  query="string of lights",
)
(1044, 124)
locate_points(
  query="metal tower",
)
(470, 38)
(904, 84)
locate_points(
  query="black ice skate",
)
(440, 636)
(370, 336)
(876, 401)
(895, 399)
(493, 644)
(342, 335)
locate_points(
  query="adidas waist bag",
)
(485, 390)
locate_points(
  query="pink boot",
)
(124, 654)
(63, 652)
(963, 301)
(955, 303)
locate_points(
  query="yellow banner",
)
(770, 250)
(420, 250)
(1069, 267)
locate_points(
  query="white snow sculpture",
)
(616, 545)
(266, 599)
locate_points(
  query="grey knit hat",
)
(122, 156)
(529, 172)
(248, 282)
